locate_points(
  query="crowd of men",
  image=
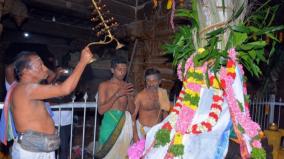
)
(127, 115)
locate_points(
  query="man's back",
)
(30, 114)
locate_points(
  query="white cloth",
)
(7, 85)
(119, 149)
(195, 146)
(205, 145)
(142, 133)
(65, 116)
(19, 153)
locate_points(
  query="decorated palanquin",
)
(206, 114)
(211, 55)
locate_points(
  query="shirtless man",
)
(37, 135)
(151, 104)
(115, 101)
(115, 93)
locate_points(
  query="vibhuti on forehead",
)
(35, 60)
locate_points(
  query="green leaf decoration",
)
(246, 37)
(188, 14)
(207, 79)
(247, 98)
(239, 38)
(215, 32)
(273, 29)
(162, 137)
(177, 150)
(241, 129)
(192, 99)
(237, 14)
(241, 28)
(258, 153)
(240, 106)
(272, 51)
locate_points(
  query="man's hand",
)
(124, 90)
(59, 71)
(86, 55)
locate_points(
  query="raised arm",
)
(37, 91)
(51, 76)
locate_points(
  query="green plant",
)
(247, 37)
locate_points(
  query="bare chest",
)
(150, 102)
(112, 89)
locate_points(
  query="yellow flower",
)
(199, 71)
(193, 107)
(189, 105)
(215, 84)
(191, 69)
(193, 80)
(191, 93)
(178, 138)
(196, 70)
(169, 4)
(231, 70)
(200, 50)
(186, 103)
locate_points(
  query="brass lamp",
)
(106, 29)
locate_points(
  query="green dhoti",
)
(109, 123)
(115, 135)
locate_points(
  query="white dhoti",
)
(142, 130)
(119, 149)
(19, 153)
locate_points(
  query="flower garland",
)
(176, 147)
(243, 120)
(183, 112)
(136, 150)
(187, 103)
(210, 122)
(186, 106)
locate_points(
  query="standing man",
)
(37, 136)
(115, 101)
(152, 104)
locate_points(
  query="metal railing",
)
(80, 110)
(267, 110)
(263, 110)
